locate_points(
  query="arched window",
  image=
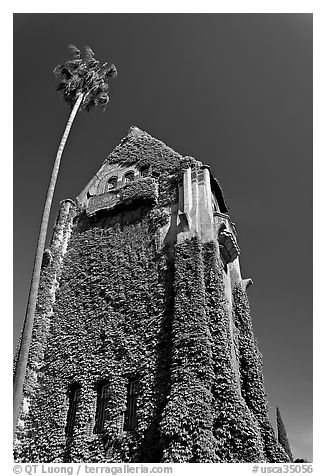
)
(103, 398)
(112, 183)
(131, 412)
(74, 399)
(145, 171)
(129, 177)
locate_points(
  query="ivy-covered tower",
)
(143, 349)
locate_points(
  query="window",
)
(131, 415)
(104, 395)
(112, 183)
(214, 203)
(129, 177)
(74, 399)
(200, 175)
(155, 174)
(145, 171)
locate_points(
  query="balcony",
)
(142, 191)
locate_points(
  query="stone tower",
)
(143, 349)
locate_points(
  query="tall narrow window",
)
(104, 396)
(74, 399)
(131, 412)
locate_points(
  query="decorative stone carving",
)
(229, 248)
(245, 283)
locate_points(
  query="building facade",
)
(143, 348)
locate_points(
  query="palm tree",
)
(84, 84)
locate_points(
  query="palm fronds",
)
(75, 51)
(89, 53)
(85, 75)
(111, 72)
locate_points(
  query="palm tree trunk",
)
(32, 298)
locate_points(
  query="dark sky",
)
(232, 90)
